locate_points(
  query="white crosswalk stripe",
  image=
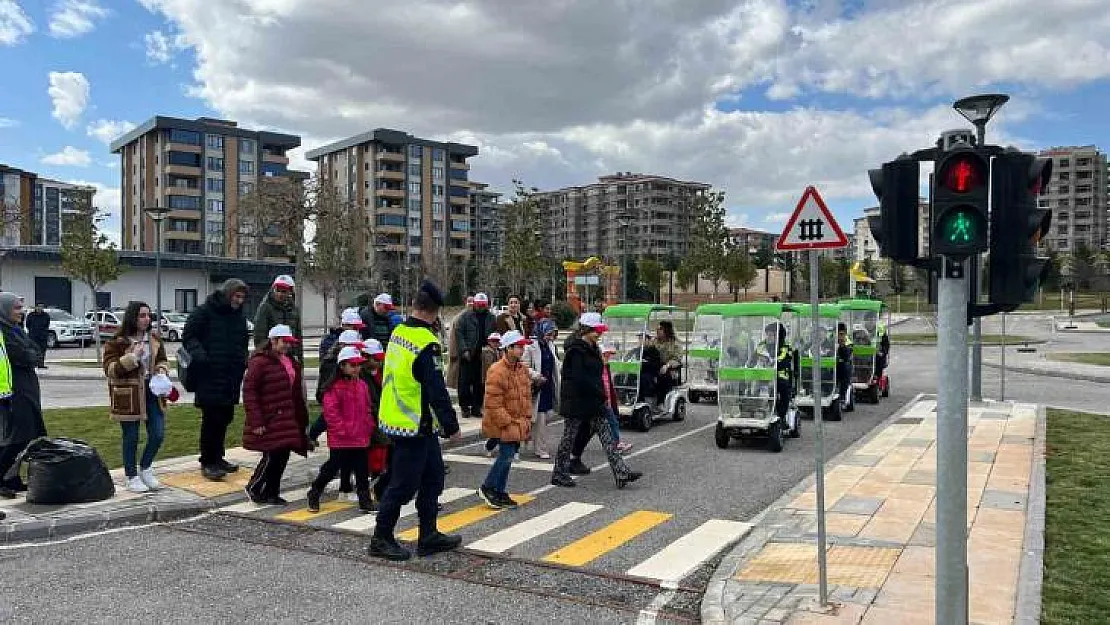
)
(684, 555)
(524, 531)
(517, 464)
(366, 522)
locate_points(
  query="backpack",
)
(183, 362)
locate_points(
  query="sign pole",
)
(819, 421)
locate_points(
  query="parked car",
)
(65, 329)
(107, 321)
(173, 325)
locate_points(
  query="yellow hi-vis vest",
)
(5, 370)
(402, 398)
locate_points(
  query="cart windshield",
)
(748, 366)
(704, 349)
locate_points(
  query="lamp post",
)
(624, 219)
(157, 215)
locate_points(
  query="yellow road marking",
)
(608, 538)
(458, 520)
(302, 515)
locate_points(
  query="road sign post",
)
(810, 228)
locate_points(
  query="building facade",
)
(487, 226)
(415, 193)
(199, 169)
(596, 219)
(1077, 195)
(34, 208)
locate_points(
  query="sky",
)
(759, 98)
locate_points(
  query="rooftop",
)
(391, 137)
(206, 125)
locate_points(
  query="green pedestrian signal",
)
(959, 227)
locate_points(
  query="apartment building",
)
(415, 192)
(1077, 196)
(863, 244)
(595, 219)
(487, 226)
(199, 169)
(34, 207)
(752, 240)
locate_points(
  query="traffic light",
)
(895, 229)
(1017, 226)
(960, 213)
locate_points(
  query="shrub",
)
(563, 314)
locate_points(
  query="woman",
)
(20, 398)
(582, 403)
(131, 358)
(541, 358)
(276, 414)
(671, 353)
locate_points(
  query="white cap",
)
(385, 299)
(349, 337)
(481, 298)
(512, 337)
(593, 320)
(284, 281)
(373, 347)
(351, 318)
(494, 336)
(282, 331)
(352, 354)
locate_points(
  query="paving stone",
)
(982, 456)
(850, 504)
(1002, 500)
(29, 530)
(925, 535)
(1015, 439)
(920, 443)
(862, 460)
(777, 615)
(745, 620)
(923, 478)
(865, 595)
(995, 415)
(843, 593)
(88, 521)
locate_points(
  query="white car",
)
(65, 329)
(108, 321)
(173, 326)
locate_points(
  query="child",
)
(350, 425)
(329, 370)
(491, 353)
(612, 405)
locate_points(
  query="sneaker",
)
(437, 543)
(276, 500)
(313, 498)
(543, 455)
(147, 476)
(254, 498)
(578, 468)
(491, 497)
(365, 503)
(623, 447)
(135, 485)
(506, 501)
(388, 549)
(564, 481)
(228, 467)
(213, 472)
(628, 479)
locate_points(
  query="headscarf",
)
(543, 328)
(8, 300)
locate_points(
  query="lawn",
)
(1077, 544)
(1086, 358)
(182, 430)
(988, 339)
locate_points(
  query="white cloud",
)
(69, 157)
(14, 23)
(109, 201)
(70, 93)
(105, 130)
(7, 122)
(73, 18)
(160, 48)
(776, 218)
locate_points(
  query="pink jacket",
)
(347, 414)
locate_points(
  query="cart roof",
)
(829, 311)
(876, 305)
(753, 309)
(710, 309)
(635, 310)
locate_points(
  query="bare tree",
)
(442, 269)
(522, 260)
(333, 258)
(87, 254)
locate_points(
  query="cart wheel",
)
(797, 431)
(679, 410)
(873, 394)
(833, 412)
(774, 436)
(694, 397)
(851, 405)
(721, 436)
(643, 419)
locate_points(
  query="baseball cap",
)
(284, 283)
(349, 337)
(385, 299)
(283, 332)
(494, 336)
(351, 318)
(350, 354)
(512, 337)
(374, 348)
(481, 299)
(593, 320)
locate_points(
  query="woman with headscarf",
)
(20, 397)
(541, 358)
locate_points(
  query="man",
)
(512, 319)
(475, 326)
(415, 411)
(38, 328)
(508, 416)
(379, 319)
(786, 365)
(217, 340)
(349, 319)
(279, 309)
(843, 362)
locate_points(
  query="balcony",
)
(391, 174)
(280, 159)
(461, 252)
(173, 146)
(387, 155)
(189, 191)
(458, 164)
(459, 201)
(184, 170)
(459, 235)
(184, 214)
(390, 229)
(181, 235)
(386, 192)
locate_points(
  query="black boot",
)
(628, 479)
(387, 548)
(365, 504)
(345, 482)
(577, 467)
(313, 498)
(437, 542)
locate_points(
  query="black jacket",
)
(474, 328)
(216, 338)
(271, 313)
(22, 421)
(378, 327)
(581, 391)
(38, 326)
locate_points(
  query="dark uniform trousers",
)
(416, 466)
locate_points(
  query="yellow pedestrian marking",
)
(607, 538)
(304, 514)
(458, 520)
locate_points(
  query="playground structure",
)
(591, 272)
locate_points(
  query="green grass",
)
(182, 430)
(988, 339)
(1077, 545)
(1104, 324)
(1087, 358)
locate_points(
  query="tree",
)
(87, 254)
(522, 259)
(1084, 265)
(273, 220)
(442, 269)
(833, 276)
(651, 276)
(686, 275)
(331, 265)
(709, 237)
(788, 262)
(739, 270)
(763, 259)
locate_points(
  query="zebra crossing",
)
(572, 534)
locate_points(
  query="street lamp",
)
(157, 215)
(978, 109)
(624, 219)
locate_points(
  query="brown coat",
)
(507, 410)
(506, 322)
(452, 377)
(126, 385)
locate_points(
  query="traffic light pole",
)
(977, 325)
(951, 530)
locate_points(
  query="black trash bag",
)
(63, 471)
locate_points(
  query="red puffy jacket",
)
(275, 403)
(347, 413)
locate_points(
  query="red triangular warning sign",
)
(811, 227)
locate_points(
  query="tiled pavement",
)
(880, 498)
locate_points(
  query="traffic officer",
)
(786, 365)
(884, 350)
(415, 411)
(843, 362)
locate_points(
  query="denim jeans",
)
(614, 424)
(155, 433)
(497, 479)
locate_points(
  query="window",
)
(183, 225)
(437, 174)
(414, 222)
(415, 205)
(437, 155)
(215, 142)
(1064, 162)
(214, 227)
(187, 159)
(184, 136)
(437, 190)
(216, 185)
(437, 208)
(216, 206)
(416, 151)
(215, 163)
(397, 221)
(183, 202)
(460, 225)
(246, 167)
(246, 146)
(414, 170)
(184, 300)
(245, 188)
(215, 248)
(458, 174)
(414, 188)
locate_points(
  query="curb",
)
(713, 610)
(1031, 571)
(1051, 373)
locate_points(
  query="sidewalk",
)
(1039, 364)
(1075, 325)
(185, 493)
(880, 497)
